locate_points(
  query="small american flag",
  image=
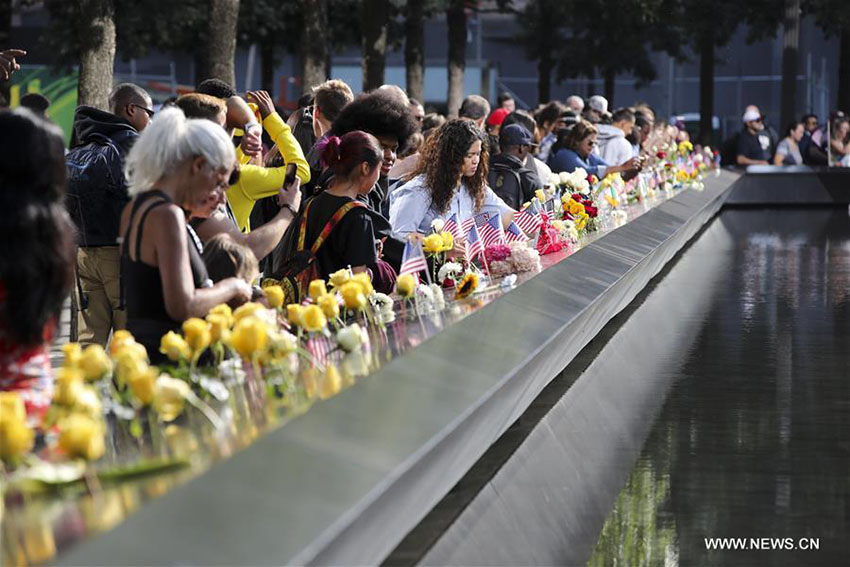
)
(491, 232)
(474, 247)
(528, 221)
(514, 233)
(413, 259)
(451, 226)
(544, 215)
(481, 219)
(467, 224)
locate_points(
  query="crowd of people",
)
(802, 142)
(154, 215)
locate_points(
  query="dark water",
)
(752, 440)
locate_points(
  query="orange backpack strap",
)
(340, 212)
(302, 230)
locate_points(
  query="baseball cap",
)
(497, 117)
(516, 135)
(751, 116)
(569, 117)
(599, 104)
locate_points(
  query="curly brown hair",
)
(441, 162)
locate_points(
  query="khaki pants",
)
(100, 279)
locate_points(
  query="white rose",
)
(554, 179)
(438, 224)
(350, 338)
(580, 173)
(439, 298)
(564, 178)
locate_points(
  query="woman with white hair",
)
(178, 168)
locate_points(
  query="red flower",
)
(591, 211)
(660, 155)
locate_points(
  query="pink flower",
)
(496, 253)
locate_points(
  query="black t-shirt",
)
(754, 146)
(351, 242)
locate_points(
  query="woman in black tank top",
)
(163, 276)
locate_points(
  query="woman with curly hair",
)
(451, 178)
(37, 254)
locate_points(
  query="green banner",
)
(60, 87)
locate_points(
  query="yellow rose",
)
(68, 383)
(313, 318)
(317, 289)
(169, 396)
(250, 335)
(174, 346)
(95, 363)
(198, 335)
(575, 207)
(16, 438)
(128, 363)
(73, 352)
(274, 295)
(81, 436)
(223, 310)
(246, 310)
(12, 406)
(143, 384)
(219, 326)
(295, 314)
(433, 243)
(331, 383)
(405, 285)
(448, 241)
(88, 402)
(120, 338)
(329, 305)
(365, 282)
(339, 277)
(352, 295)
(541, 195)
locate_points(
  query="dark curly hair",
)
(37, 255)
(380, 113)
(441, 162)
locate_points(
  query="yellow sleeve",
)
(289, 147)
(254, 183)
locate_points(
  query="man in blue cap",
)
(508, 177)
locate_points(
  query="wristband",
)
(290, 208)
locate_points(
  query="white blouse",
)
(411, 209)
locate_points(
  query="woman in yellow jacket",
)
(256, 182)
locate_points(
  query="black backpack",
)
(507, 184)
(97, 190)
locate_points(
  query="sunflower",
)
(467, 285)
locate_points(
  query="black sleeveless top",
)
(142, 292)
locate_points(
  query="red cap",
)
(497, 117)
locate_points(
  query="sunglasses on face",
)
(149, 111)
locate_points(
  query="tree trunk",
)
(375, 16)
(844, 70)
(221, 48)
(706, 86)
(314, 45)
(5, 39)
(544, 76)
(790, 46)
(414, 49)
(609, 77)
(268, 66)
(96, 29)
(456, 19)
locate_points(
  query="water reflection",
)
(752, 442)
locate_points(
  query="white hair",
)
(169, 142)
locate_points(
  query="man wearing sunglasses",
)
(96, 196)
(753, 143)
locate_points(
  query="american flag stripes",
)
(413, 259)
(527, 221)
(474, 247)
(514, 233)
(491, 232)
(452, 226)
